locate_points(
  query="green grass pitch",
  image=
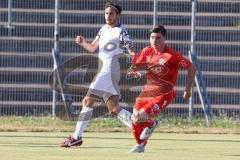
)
(115, 146)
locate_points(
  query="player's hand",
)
(80, 40)
(136, 74)
(186, 95)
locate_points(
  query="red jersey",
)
(162, 69)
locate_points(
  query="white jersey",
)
(112, 42)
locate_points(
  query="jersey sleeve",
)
(139, 60)
(125, 39)
(99, 33)
(181, 61)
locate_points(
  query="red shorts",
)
(153, 105)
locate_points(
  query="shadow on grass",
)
(48, 145)
(124, 138)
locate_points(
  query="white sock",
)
(125, 117)
(81, 125)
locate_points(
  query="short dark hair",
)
(114, 5)
(159, 29)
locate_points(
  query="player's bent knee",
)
(137, 117)
(113, 112)
(86, 102)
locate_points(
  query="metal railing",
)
(27, 41)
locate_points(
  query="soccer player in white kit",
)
(111, 40)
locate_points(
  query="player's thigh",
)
(140, 103)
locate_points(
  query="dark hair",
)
(159, 29)
(115, 6)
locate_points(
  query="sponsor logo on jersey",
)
(162, 61)
(110, 46)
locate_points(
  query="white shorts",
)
(105, 85)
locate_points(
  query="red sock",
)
(137, 130)
(148, 123)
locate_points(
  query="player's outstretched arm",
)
(90, 47)
(190, 79)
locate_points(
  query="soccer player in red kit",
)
(161, 64)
